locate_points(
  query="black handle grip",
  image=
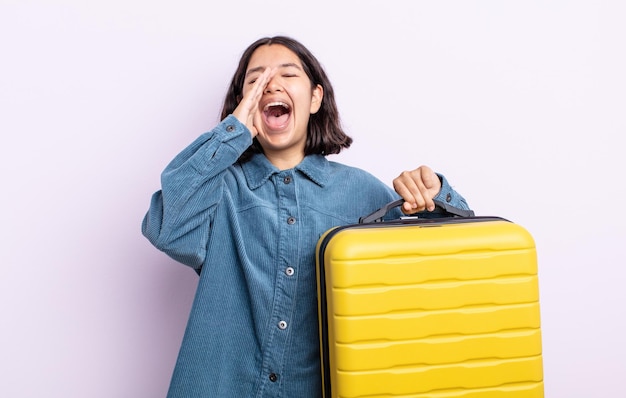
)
(378, 215)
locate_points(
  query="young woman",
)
(245, 205)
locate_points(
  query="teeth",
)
(278, 103)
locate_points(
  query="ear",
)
(316, 98)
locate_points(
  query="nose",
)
(273, 86)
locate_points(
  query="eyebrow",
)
(262, 68)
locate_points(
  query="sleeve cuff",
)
(449, 195)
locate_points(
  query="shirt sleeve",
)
(177, 221)
(448, 195)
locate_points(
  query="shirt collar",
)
(259, 169)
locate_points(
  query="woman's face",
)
(287, 102)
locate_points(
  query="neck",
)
(284, 161)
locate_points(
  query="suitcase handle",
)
(378, 215)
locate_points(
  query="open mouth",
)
(276, 115)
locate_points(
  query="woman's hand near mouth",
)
(247, 110)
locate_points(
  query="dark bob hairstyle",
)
(325, 135)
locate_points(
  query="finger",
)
(256, 123)
(432, 183)
(253, 97)
(259, 89)
(419, 191)
(423, 181)
(428, 176)
(249, 104)
(407, 187)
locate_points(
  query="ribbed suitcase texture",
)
(444, 308)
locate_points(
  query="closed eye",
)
(252, 78)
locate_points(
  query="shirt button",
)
(448, 197)
(291, 220)
(287, 180)
(230, 128)
(282, 325)
(273, 377)
(289, 271)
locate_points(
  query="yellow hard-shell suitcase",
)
(445, 307)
